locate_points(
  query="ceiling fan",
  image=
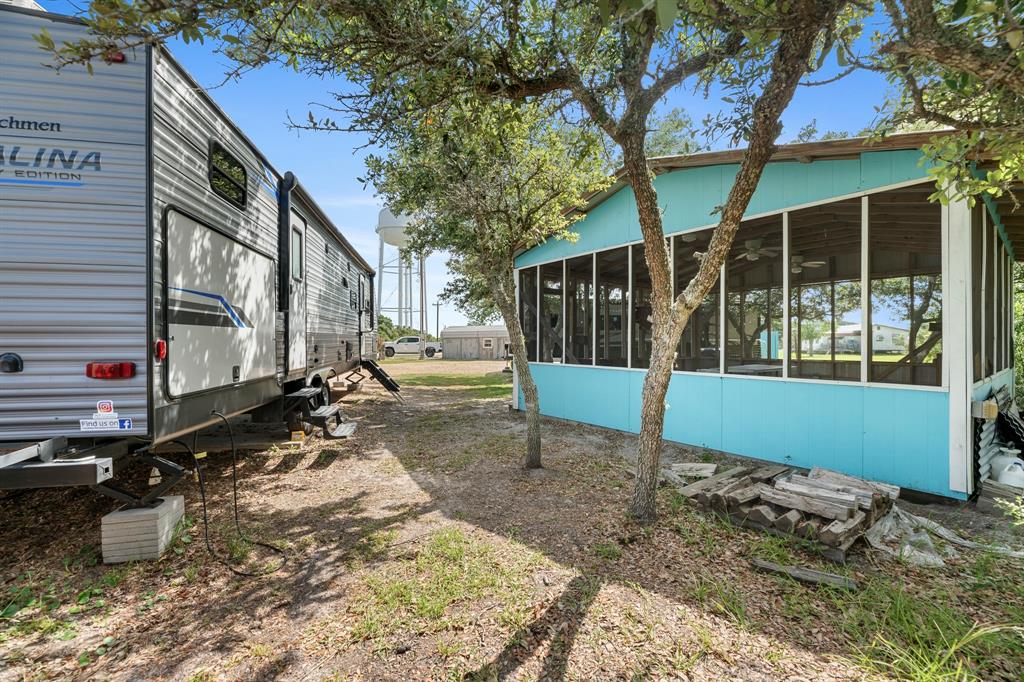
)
(754, 250)
(797, 264)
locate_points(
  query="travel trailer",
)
(157, 274)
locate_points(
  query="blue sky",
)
(328, 164)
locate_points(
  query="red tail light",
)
(110, 370)
(160, 349)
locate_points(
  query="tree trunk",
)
(504, 290)
(670, 317)
(665, 330)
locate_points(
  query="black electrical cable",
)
(234, 491)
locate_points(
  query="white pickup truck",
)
(411, 344)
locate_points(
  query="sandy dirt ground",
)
(421, 549)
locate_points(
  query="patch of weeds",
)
(585, 593)
(676, 501)
(191, 572)
(115, 576)
(28, 593)
(926, 664)
(729, 601)
(697, 530)
(682, 658)
(239, 549)
(201, 676)
(26, 606)
(89, 656)
(514, 617)
(182, 536)
(46, 626)
(448, 649)
(417, 594)
(707, 457)
(921, 635)
(607, 550)
(259, 649)
(87, 557)
(462, 460)
(89, 599)
(796, 606)
(374, 546)
(770, 548)
(150, 600)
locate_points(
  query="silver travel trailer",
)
(156, 272)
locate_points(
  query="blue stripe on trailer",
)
(217, 297)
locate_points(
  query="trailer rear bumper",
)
(43, 451)
(89, 470)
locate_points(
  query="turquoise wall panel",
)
(689, 197)
(896, 435)
(592, 395)
(906, 438)
(694, 410)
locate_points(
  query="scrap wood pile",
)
(824, 507)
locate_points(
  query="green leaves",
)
(667, 11)
(487, 179)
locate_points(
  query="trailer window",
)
(228, 178)
(296, 254)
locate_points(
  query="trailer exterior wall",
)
(73, 235)
(185, 123)
(332, 298)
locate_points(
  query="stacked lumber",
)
(994, 490)
(824, 506)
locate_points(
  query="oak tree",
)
(487, 180)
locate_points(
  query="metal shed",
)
(475, 342)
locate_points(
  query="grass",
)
(927, 664)
(420, 593)
(490, 385)
(607, 550)
(850, 357)
(920, 635)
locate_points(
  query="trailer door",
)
(297, 293)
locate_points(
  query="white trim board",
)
(749, 377)
(957, 351)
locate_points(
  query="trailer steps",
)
(306, 401)
(306, 393)
(324, 412)
(382, 377)
(322, 416)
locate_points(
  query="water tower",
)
(400, 268)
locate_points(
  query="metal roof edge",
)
(307, 200)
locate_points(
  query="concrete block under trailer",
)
(155, 270)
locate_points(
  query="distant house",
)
(884, 338)
(475, 342)
(774, 363)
